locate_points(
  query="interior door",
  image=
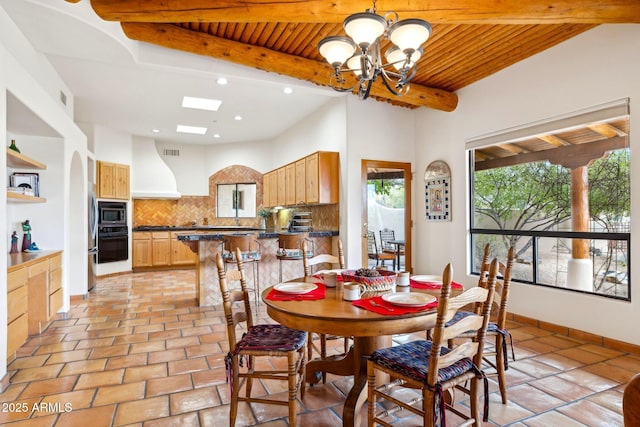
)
(378, 169)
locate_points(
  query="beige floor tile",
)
(120, 393)
(142, 410)
(193, 400)
(98, 379)
(140, 373)
(167, 385)
(100, 416)
(51, 386)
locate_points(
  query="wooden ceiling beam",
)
(553, 140)
(174, 37)
(434, 11)
(605, 129)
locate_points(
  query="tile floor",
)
(138, 352)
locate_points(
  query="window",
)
(559, 191)
(236, 200)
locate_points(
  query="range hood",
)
(151, 178)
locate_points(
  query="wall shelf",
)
(20, 161)
(24, 198)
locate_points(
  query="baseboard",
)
(577, 334)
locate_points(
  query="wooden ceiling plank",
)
(260, 37)
(553, 140)
(174, 37)
(435, 11)
(605, 129)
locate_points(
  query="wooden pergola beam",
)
(175, 37)
(321, 11)
(571, 156)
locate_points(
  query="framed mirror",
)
(236, 200)
(437, 182)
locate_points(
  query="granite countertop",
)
(261, 234)
(195, 228)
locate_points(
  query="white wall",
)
(594, 68)
(188, 168)
(31, 79)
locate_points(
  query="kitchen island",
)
(206, 244)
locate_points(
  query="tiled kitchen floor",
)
(138, 352)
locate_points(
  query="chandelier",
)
(360, 52)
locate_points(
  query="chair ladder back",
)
(502, 295)
(309, 262)
(438, 330)
(486, 311)
(484, 273)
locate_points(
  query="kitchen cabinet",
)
(270, 189)
(181, 254)
(290, 184)
(160, 249)
(282, 186)
(322, 178)
(113, 181)
(141, 248)
(300, 182)
(34, 295)
(17, 160)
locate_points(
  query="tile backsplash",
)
(202, 209)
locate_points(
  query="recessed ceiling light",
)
(217, 135)
(155, 130)
(288, 90)
(191, 129)
(238, 117)
(201, 103)
(222, 81)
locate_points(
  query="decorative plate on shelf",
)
(295, 287)
(409, 299)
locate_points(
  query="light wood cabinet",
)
(181, 254)
(282, 186)
(290, 184)
(160, 249)
(34, 296)
(322, 178)
(273, 189)
(266, 190)
(113, 181)
(17, 160)
(301, 190)
(141, 247)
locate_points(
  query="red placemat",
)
(432, 285)
(317, 293)
(391, 309)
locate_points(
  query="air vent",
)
(171, 152)
(63, 98)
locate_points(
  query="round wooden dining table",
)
(335, 316)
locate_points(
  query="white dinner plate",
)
(295, 287)
(409, 299)
(427, 278)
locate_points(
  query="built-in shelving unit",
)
(20, 161)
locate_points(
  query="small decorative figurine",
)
(26, 237)
(14, 243)
(13, 146)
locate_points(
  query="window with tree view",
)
(559, 192)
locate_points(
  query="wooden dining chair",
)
(497, 356)
(375, 254)
(308, 264)
(248, 341)
(433, 368)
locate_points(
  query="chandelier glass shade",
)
(359, 53)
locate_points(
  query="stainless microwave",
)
(112, 213)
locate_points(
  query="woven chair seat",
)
(412, 360)
(271, 338)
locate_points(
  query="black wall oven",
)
(113, 232)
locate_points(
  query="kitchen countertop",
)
(262, 234)
(195, 228)
(25, 259)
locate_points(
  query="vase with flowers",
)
(263, 213)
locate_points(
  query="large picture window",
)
(559, 192)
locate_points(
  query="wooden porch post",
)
(580, 210)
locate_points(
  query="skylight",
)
(191, 129)
(201, 103)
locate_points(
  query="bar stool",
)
(250, 251)
(290, 248)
